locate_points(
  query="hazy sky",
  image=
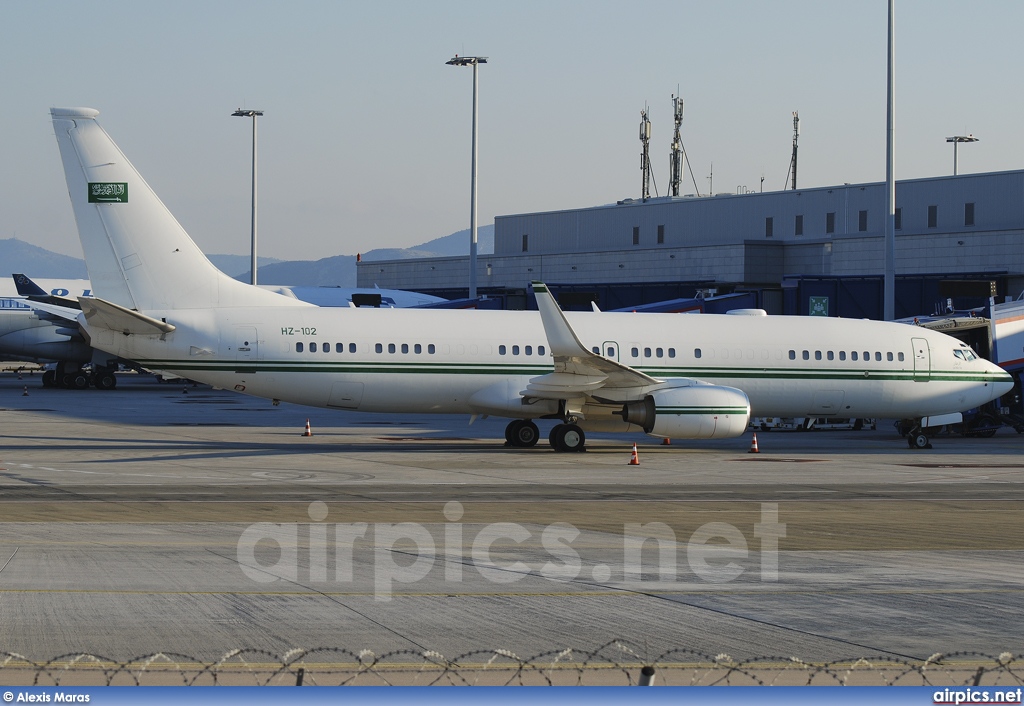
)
(366, 138)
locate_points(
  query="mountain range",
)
(338, 270)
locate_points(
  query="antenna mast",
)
(796, 135)
(676, 156)
(645, 160)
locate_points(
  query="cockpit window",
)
(966, 354)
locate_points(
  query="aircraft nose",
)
(1003, 384)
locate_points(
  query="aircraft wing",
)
(578, 371)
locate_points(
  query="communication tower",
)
(645, 160)
(676, 156)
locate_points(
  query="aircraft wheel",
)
(569, 438)
(522, 433)
(919, 441)
(551, 436)
(76, 381)
(105, 381)
(49, 379)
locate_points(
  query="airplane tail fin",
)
(26, 287)
(138, 255)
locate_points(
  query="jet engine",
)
(694, 410)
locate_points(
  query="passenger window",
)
(351, 348)
(540, 350)
(417, 349)
(391, 348)
(502, 350)
(660, 352)
(867, 356)
(842, 355)
(431, 349)
(853, 356)
(671, 352)
(807, 355)
(596, 350)
(528, 350)
(817, 355)
(515, 350)
(792, 355)
(647, 352)
(878, 356)
(899, 356)
(298, 346)
(831, 355)
(405, 348)
(635, 352)
(312, 347)
(327, 348)
(379, 348)
(696, 352)
(889, 356)
(611, 351)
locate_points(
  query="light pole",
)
(240, 113)
(956, 140)
(473, 61)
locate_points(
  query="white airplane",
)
(158, 300)
(26, 334)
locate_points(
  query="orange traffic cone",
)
(25, 393)
(666, 441)
(753, 445)
(634, 459)
(308, 431)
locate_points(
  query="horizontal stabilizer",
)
(103, 314)
(54, 312)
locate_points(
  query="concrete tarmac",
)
(172, 518)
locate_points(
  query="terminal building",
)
(959, 240)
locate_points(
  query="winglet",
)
(561, 338)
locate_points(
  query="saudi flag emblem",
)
(108, 192)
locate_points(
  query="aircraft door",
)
(246, 343)
(610, 350)
(922, 359)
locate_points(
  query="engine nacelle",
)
(697, 410)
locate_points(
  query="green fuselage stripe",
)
(448, 368)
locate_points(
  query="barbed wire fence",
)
(616, 663)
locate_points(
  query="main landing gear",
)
(566, 437)
(521, 433)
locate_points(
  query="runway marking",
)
(9, 560)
